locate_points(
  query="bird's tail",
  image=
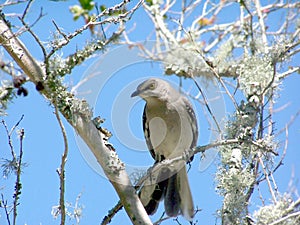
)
(153, 191)
(178, 198)
(176, 193)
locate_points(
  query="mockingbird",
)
(170, 129)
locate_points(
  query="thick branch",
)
(85, 128)
(19, 53)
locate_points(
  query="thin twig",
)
(16, 125)
(288, 72)
(292, 120)
(9, 133)
(13, 154)
(10, 3)
(111, 213)
(28, 28)
(293, 205)
(18, 170)
(261, 22)
(26, 9)
(207, 106)
(18, 184)
(267, 178)
(280, 163)
(285, 218)
(225, 88)
(161, 219)
(4, 202)
(61, 170)
(60, 31)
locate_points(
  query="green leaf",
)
(87, 4)
(149, 2)
(102, 8)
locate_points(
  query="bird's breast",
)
(170, 131)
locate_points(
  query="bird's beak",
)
(136, 93)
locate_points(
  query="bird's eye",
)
(152, 86)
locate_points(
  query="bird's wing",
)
(193, 122)
(147, 133)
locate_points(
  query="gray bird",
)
(170, 128)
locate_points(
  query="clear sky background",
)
(43, 144)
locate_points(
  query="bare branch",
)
(9, 3)
(268, 180)
(286, 218)
(5, 206)
(112, 212)
(26, 9)
(207, 106)
(9, 133)
(261, 22)
(15, 165)
(61, 170)
(18, 185)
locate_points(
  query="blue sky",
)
(43, 143)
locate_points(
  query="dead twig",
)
(61, 170)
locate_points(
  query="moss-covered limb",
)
(81, 122)
(283, 212)
(240, 162)
(234, 180)
(95, 20)
(237, 176)
(62, 66)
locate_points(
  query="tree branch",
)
(18, 185)
(5, 206)
(83, 126)
(61, 170)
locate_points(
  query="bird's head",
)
(153, 88)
